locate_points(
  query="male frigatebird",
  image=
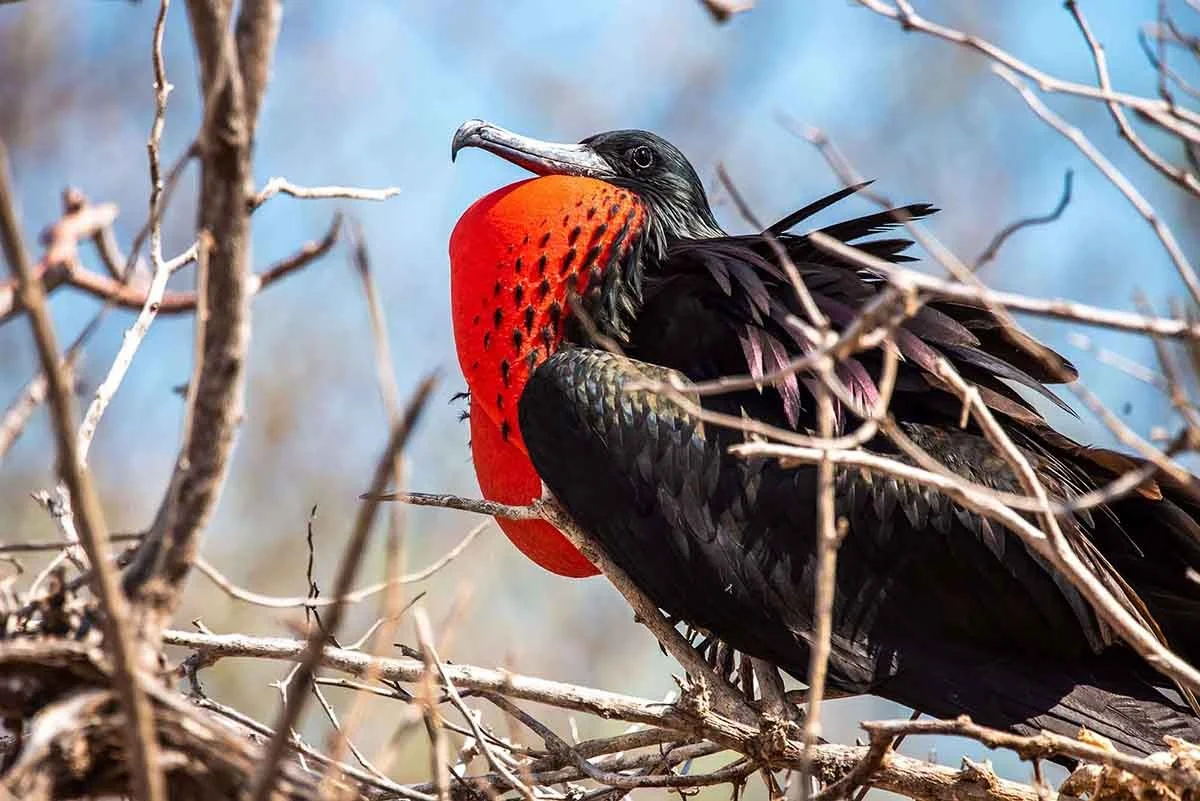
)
(935, 607)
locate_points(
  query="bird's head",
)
(642, 162)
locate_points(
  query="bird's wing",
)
(934, 607)
(728, 543)
(724, 306)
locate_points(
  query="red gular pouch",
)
(507, 476)
(515, 256)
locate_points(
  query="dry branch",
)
(298, 687)
(279, 185)
(903, 13)
(354, 596)
(904, 775)
(140, 742)
(231, 103)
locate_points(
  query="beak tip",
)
(467, 135)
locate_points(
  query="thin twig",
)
(19, 413)
(423, 632)
(392, 601)
(162, 270)
(1180, 177)
(559, 746)
(54, 545)
(311, 753)
(903, 13)
(827, 548)
(1118, 179)
(140, 739)
(481, 507)
(327, 708)
(439, 751)
(353, 597)
(351, 559)
(993, 248)
(278, 185)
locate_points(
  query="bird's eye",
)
(642, 157)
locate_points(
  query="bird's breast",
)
(516, 256)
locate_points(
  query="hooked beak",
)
(540, 158)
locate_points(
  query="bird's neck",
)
(607, 309)
(604, 313)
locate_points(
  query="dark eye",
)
(642, 157)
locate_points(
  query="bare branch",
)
(367, 779)
(140, 738)
(897, 773)
(1115, 177)
(904, 14)
(392, 604)
(225, 153)
(993, 248)
(1046, 744)
(429, 652)
(60, 257)
(1180, 177)
(355, 596)
(351, 559)
(827, 548)
(327, 708)
(162, 270)
(739, 770)
(162, 90)
(277, 185)
(21, 410)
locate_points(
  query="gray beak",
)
(540, 158)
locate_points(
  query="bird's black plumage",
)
(935, 606)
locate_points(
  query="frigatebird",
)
(571, 288)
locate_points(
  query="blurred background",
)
(369, 93)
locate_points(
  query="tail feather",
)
(1113, 695)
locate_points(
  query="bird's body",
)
(935, 606)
